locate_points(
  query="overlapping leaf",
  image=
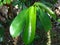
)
(47, 9)
(45, 20)
(18, 24)
(29, 17)
(29, 32)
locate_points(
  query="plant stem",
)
(49, 38)
(15, 41)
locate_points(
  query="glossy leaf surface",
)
(18, 24)
(29, 32)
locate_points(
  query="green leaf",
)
(1, 33)
(1, 3)
(29, 32)
(47, 9)
(1, 30)
(47, 3)
(8, 1)
(58, 20)
(18, 24)
(45, 20)
(4, 1)
(23, 1)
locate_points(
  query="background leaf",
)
(1, 33)
(8, 1)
